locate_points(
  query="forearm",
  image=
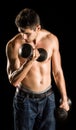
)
(18, 75)
(61, 85)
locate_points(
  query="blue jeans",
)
(34, 113)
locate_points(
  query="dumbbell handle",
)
(69, 101)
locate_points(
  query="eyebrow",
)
(23, 31)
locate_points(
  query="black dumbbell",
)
(60, 113)
(26, 51)
(43, 55)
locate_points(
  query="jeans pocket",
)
(18, 102)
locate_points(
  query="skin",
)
(36, 76)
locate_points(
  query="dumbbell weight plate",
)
(61, 114)
(43, 55)
(26, 50)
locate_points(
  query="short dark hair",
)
(27, 18)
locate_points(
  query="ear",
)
(38, 27)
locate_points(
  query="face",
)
(29, 34)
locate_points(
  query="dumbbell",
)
(60, 113)
(26, 51)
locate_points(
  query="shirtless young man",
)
(34, 101)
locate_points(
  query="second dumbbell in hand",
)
(60, 113)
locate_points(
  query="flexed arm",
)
(16, 72)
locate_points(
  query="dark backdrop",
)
(57, 17)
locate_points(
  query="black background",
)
(57, 17)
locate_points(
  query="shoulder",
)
(13, 44)
(51, 38)
(14, 41)
(50, 35)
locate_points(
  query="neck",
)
(38, 37)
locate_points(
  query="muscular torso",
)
(38, 79)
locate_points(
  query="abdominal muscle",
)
(38, 78)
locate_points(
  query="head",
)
(28, 23)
